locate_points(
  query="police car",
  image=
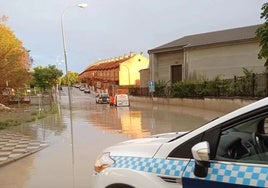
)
(230, 151)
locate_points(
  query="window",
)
(266, 126)
(246, 141)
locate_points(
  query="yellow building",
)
(119, 72)
(129, 70)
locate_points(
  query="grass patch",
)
(34, 113)
(41, 116)
(8, 123)
(24, 114)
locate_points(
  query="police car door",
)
(239, 158)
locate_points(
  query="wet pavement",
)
(14, 146)
(74, 139)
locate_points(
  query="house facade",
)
(206, 56)
(107, 76)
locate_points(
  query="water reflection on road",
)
(141, 120)
(69, 162)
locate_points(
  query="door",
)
(176, 73)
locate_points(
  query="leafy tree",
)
(73, 78)
(14, 58)
(46, 77)
(262, 35)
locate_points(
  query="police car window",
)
(248, 126)
(245, 142)
(266, 125)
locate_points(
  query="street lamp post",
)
(81, 5)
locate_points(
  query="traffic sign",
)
(151, 86)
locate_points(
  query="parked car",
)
(230, 151)
(102, 98)
(82, 88)
(121, 100)
(76, 85)
(86, 90)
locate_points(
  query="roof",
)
(106, 65)
(223, 36)
(111, 63)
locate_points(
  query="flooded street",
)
(76, 140)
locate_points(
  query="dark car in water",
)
(87, 90)
(102, 98)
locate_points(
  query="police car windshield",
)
(191, 130)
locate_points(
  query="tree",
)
(262, 35)
(73, 78)
(15, 62)
(14, 58)
(46, 77)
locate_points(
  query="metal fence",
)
(254, 85)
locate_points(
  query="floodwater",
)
(75, 139)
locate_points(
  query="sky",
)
(113, 28)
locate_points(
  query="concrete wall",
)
(145, 77)
(207, 62)
(225, 61)
(219, 105)
(164, 62)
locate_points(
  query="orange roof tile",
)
(106, 65)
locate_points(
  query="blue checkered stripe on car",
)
(235, 174)
(151, 165)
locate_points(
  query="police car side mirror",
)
(200, 153)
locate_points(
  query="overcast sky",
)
(112, 28)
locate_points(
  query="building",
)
(115, 73)
(207, 56)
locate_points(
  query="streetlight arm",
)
(82, 5)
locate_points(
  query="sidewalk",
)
(14, 146)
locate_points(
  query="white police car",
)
(231, 151)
